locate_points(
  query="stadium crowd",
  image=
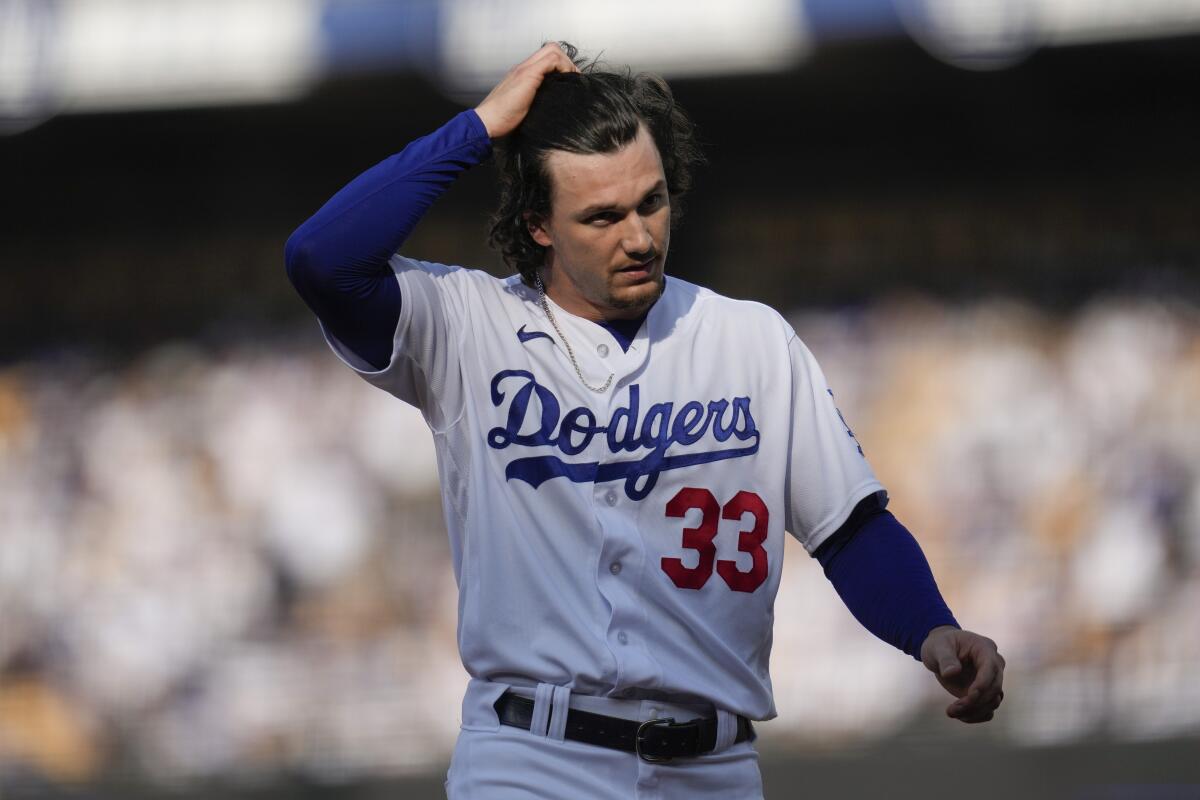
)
(234, 563)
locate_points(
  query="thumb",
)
(948, 665)
(940, 652)
(941, 659)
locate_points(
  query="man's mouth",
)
(646, 266)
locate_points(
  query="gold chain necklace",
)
(570, 353)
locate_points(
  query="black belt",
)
(653, 740)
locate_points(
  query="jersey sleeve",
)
(425, 365)
(338, 258)
(827, 472)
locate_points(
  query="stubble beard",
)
(639, 303)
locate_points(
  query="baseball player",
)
(621, 453)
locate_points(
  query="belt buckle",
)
(637, 742)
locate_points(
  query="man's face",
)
(608, 230)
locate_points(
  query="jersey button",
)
(615, 568)
(602, 350)
(622, 638)
(610, 497)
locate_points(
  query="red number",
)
(699, 539)
(748, 542)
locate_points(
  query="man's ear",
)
(537, 228)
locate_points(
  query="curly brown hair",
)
(593, 111)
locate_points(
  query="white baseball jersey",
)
(625, 543)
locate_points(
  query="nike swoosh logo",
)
(528, 336)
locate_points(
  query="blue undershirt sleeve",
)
(338, 259)
(882, 576)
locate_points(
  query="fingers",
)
(549, 58)
(969, 667)
(987, 679)
(983, 715)
(978, 713)
(985, 693)
(563, 61)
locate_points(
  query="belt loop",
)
(726, 729)
(541, 708)
(558, 714)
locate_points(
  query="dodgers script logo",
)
(573, 432)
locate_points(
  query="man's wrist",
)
(478, 126)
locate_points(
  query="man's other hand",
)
(969, 667)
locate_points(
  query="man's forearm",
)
(337, 259)
(882, 576)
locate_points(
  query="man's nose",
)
(637, 240)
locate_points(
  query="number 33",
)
(701, 538)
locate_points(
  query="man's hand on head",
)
(969, 667)
(507, 104)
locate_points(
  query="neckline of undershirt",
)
(623, 330)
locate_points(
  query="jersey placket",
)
(622, 565)
(619, 569)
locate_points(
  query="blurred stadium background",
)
(223, 567)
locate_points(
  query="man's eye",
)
(653, 201)
(603, 219)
